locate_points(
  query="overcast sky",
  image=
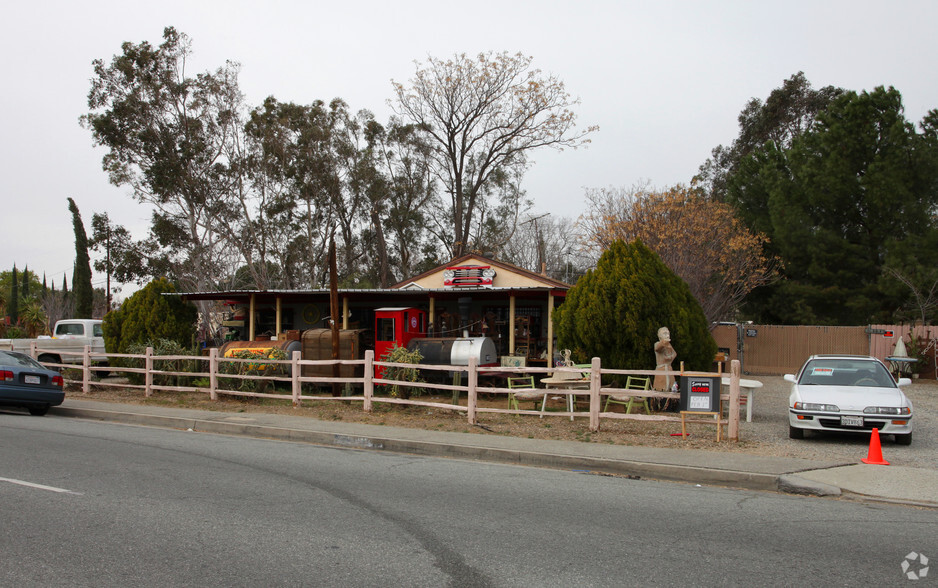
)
(664, 81)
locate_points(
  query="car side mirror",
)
(790, 378)
(904, 382)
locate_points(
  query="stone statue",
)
(664, 355)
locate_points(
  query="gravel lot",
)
(767, 434)
(769, 429)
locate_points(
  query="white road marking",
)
(39, 486)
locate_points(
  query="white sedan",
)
(852, 393)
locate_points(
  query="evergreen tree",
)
(788, 112)
(848, 196)
(81, 277)
(14, 299)
(614, 312)
(148, 316)
(25, 289)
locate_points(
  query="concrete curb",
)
(668, 472)
(793, 484)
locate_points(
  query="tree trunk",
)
(382, 248)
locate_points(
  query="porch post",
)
(511, 325)
(251, 319)
(550, 329)
(345, 313)
(279, 317)
(433, 311)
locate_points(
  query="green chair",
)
(632, 383)
(523, 389)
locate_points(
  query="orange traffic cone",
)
(875, 455)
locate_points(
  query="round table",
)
(900, 363)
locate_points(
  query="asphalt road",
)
(97, 504)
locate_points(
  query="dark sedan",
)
(26, 383)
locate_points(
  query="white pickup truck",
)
(68, 336)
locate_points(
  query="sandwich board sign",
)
(700, 394)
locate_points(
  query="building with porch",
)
(470, 296)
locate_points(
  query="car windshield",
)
(18, 359)
(846, 372)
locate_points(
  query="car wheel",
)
(47, 358)
(795, 432)
(904, 439)
(38, 410)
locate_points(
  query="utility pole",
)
(334, 311)
(107, 261)
(541, 264)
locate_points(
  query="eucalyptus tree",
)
(483, 118)
(166, 134)
(350, 202)
(296, 168)
(121, 260)
(271, 138)
(400, 189)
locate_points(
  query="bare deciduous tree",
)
(484, 116)
(702, 241)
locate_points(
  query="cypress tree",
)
(25, 288)
(14, 299)
(81, 277)
(614, 312)
(148, 316)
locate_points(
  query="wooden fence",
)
(773, 350)
(212, 374)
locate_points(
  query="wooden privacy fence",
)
(781, 349)
(883, 339)
(773, 350)
(212, 377)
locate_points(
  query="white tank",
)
(455, 350)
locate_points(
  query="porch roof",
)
(373, 294)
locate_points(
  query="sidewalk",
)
(799, 476)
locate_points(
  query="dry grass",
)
(615, 431)
(766, 435)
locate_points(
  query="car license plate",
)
(851, 421)
(31, 379)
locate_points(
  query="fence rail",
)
(214, 374)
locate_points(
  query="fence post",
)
(33, 350)
(295, 375)
(473, 382)
(595, 398)
(369, 378)
(213, 373)
(733, 427)
(86, 370)
(148, 376)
